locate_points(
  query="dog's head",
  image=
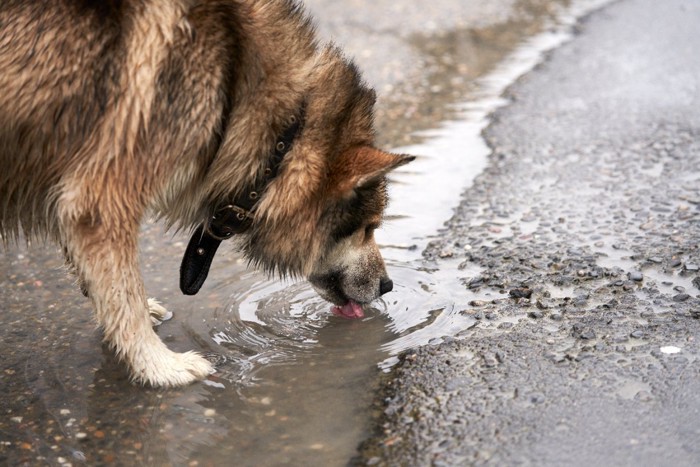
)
(351, 271)
(317, 217)
(330, 239)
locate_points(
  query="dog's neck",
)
(235, 216)
(268, 83)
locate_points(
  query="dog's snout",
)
(385, 285)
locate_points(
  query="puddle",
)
(295, 384)
(670, 281)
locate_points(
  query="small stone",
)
(80, 435)
(490, 360)
(681, 297)
(477, 303)
(521, 293)
(446, 253)
(638, 334)
(535, 314)
(635, 276)
(209, 412)
(691, 267)
(587, 334)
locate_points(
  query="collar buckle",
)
(228, 221)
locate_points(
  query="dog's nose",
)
(385, 285)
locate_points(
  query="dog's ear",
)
(361, 166)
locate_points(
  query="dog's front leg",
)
(155, 308)
(104, 252)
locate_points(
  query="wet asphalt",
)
(586, 224)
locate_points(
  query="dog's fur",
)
(113, 109)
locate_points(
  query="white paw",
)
(158, 366)
(158, 312)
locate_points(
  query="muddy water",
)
(294, 383)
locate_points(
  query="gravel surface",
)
(587, 224)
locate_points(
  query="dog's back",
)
(58, 71)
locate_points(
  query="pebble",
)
(681, 297)
(636, 276)
(446, 253)
(537, 398)
(521, 293)
(638, 334)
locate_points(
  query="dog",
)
(227, 118)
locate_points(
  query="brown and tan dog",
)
(222, 116)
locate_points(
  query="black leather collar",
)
(233, 217)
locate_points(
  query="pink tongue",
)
(350, 310)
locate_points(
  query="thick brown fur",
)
(112, 110)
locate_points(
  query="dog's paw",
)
(164, 368)
(158, 312)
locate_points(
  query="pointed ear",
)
(360, 166)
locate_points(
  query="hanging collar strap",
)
(232, 217)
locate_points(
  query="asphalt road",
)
(586, 224)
